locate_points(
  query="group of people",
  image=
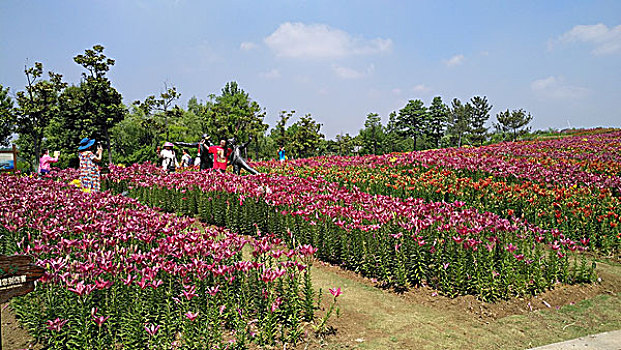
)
(216, 157)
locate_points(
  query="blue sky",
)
(338, 60)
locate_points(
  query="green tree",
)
(68, 126)
(305, 137)
(345, 145)
(235, 114)
(37, 105)
(479, 114)
(280, 130)
(7, 116)
(136, 137)
(412, 120)
(204, 112)
(161, 111)
(394, 139)
(513, 122)
(373, 136)
(438, 120)
(459, 122)
(103, 107)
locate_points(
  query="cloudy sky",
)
(338, 60)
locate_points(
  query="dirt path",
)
(372, 318)
(13, 335)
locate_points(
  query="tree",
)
(163, 108)
(102, 106)
(305, 137)
(280, 130)
(37, 105)
(373, 136)
(513, 122)
(345, 145)
(68, 126)
(438, 120)
(394, 139)
(7, 116)
(459, 124)
(137, 135)
(412, 120)
(234, 114)
(479, 115)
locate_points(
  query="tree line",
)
(50, 113)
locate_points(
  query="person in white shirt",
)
(168, 156)
(186, 160)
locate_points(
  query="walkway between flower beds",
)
(602, 341)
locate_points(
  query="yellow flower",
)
(86, 190)
(393, 159)
(76, 183)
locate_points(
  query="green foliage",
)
(373, 136)
(513, 122)
(305, 137)
(7, 116)
(102, 106)
(412, 120)
(459, 123)
(37, 106)
(479, 114)
(438, 120)
(343, 145)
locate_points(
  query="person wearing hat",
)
(168, 156)
(90, 177)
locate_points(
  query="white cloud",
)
(454, 61)
(299, 40)
(272, 74)
(555, 87)
(420, 88)
(605, 40)
(349, 73)
(248, 46)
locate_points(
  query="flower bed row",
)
(569, 184)
(403, 242)
(578, 212)
(121, 275)
(591, 161)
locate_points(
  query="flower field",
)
(402, 242)
(571, 184)
(120, 273)
(144, 270)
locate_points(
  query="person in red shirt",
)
(220, 155)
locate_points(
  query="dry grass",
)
(372, 318)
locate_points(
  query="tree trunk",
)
(109, 147)
(37, 151)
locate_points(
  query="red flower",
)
(191, 315)
(336, 292)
